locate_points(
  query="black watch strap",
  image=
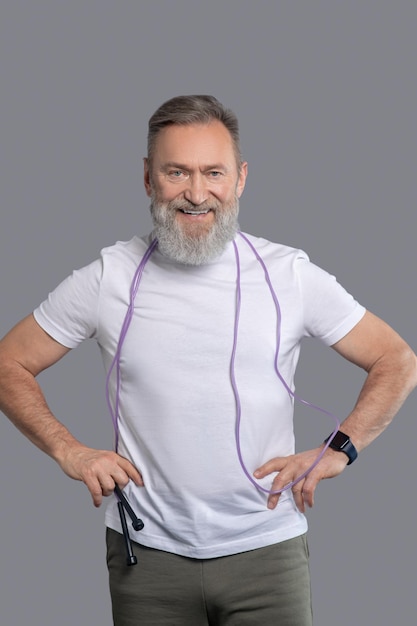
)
(342, 443)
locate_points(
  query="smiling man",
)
(195, 181)
(199, 327)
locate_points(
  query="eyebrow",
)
(182, 166)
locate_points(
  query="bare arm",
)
(24, 352)
(392, 375)
(391, 368)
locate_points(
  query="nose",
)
(196, 190)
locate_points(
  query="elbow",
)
(408, 368)
(414, 371)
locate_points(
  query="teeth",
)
(195, 212)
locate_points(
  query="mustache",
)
(181, 204)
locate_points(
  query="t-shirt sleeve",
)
(70, 313)
(330, 312)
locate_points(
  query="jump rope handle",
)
(137, 523)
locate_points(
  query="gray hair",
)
(185, 110)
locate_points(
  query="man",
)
(199, 327)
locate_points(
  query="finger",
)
(280, 483)
(94, 487)
(131, 472)
(119, 474)
(298, 494)
(304, 492)
(309, 489)
(108, 482)
(100, 475)
(273, 500)
(290, 477)
(274, 465)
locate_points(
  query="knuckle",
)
(308, 490)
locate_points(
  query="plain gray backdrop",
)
(326, 97)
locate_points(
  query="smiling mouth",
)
(188, 212)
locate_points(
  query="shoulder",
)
(271, 248)
(275, 256)
(71, 311)
(132, 250)
(122, 258)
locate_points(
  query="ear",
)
(241, 181)
(147, 177)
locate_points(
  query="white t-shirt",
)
(177, 413)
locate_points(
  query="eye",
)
(176, 175)
(214, 174)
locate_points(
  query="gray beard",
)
(201, 244)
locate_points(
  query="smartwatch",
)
(342, 443)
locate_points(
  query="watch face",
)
(342, 443)
(340, 440)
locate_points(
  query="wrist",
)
(340, 442)
(64, 446)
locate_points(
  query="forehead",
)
(195, 144)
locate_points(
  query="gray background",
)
(326, 96)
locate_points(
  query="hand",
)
(291, 467)
(100, 470)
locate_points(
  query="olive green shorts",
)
(267, 586)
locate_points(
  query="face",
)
(194, 184)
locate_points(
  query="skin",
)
(197, 163)
(25, 352)
(391, 368)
